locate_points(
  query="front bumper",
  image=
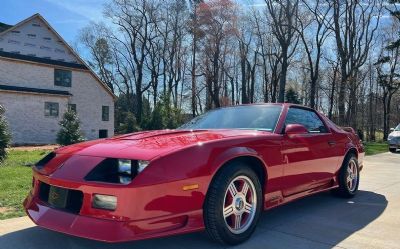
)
(144, 212)
(394, 143)
(81, 226)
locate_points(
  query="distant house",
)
(41, 77)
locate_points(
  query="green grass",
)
(372, 148)
(16, 181)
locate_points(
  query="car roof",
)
(261, 104)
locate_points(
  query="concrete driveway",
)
(370, 220)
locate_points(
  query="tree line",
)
(171, 60)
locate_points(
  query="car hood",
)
(150, 144)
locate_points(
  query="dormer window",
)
(32, 36)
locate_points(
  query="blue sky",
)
(66, 16)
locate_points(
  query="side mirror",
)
(391, 129)
(295, 129)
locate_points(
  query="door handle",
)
(331, 143)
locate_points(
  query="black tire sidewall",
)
(343, 188)
(223, 179)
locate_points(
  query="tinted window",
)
(307, 118)
(262, 117)
(62, 77)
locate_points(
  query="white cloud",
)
(89, 9)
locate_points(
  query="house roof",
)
(37, 15)
(33, 90)
(4, 27)
(41, 60)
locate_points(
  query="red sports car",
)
(217, 172)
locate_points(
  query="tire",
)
(223, 207)
(349, 177)
(393, 150)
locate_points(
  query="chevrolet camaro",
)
(218, 172)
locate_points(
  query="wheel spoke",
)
(238, 221)
(228, 211)
(232, 189)
(248, 207)
(245, 188)
(350, 184)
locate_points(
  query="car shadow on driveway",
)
(320, 221)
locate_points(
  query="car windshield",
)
(256, 117)
(397, 128)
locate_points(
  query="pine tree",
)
(70, 132)
(5, 136)
(292, 96)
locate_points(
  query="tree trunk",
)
(282, 80)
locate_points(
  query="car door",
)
(311, 158)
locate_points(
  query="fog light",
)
(108, 202)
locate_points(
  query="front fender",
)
(231, 154)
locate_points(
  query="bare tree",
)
(354, 26)
(284, 16)
(313, 34)
(101, 59)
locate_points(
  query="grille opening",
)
(71, 199)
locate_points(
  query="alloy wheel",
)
(352, 175)
(240, 204)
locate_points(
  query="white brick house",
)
(41, 77)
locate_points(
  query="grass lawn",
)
(372, 148)
(16, 181)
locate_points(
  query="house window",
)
(62, 77)
(105, 113)
(50, 109)
(31, 36)
(72, 107)
(103, 133)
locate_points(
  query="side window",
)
(62, 77)
(105, 113)
(50, 109)
(307, 118)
